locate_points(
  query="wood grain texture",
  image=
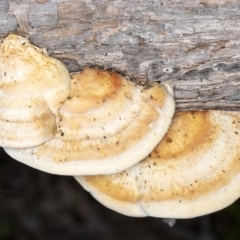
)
(194, 45)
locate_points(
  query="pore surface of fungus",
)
(32, 88)
(106, 125)
(194, 170)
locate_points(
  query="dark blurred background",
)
(36, 205)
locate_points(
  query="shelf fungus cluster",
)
(120, 140)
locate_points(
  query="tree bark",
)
(194, 45)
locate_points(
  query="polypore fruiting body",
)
(195, 170)
(32, 88)
(106, 125)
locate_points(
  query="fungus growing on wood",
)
(107, 124)
(194, 170)
(32, 88)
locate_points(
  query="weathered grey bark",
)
(194, 45)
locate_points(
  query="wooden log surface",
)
(194, 45)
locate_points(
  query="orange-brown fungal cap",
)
(32, 88)
(106, 125)
(195, 170)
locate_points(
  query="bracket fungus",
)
(107, 124)
(195, 170)
(32, 88)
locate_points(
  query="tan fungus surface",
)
(32, 88)
(194, 170)
(105, 121)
